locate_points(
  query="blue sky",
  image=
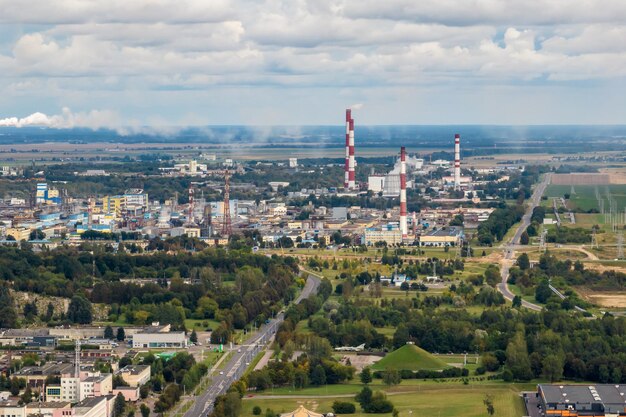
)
(301, 62)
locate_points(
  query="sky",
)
(95, 63)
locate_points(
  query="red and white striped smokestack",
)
(457, 162)
(403, 225)
(347, 165)
(351, 161)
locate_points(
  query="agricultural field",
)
(604, 299)
(410, 398)
(584, 196)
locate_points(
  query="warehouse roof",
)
(610, 398)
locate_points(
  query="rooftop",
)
(612, 398)
(448, 231)
(134, 369)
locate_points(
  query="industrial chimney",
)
(351, 161)
(347, 165)
(403, 224)
(457, 162)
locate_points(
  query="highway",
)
(509, 247)
(242, 356)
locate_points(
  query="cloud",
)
(94, 119)
(79, 52)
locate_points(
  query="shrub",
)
(342, 407)
(256, 410)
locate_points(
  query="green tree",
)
(318, 376)
(145, 410)
(364, 397)
(517, 301)
(36, 234)
(524, 238)
(8, 315)
(30, 310)
(488, 401)
(14, 387)
(80, 310)
(256, 410)
(119, 405)
(552, 367)
(543, 291)
(366, 375)
(193, 338)
(121, 334)
(27, 396)
(492, 275)
(391, 377)
(49, 312)
(523, 261)
(517, 357)
(108, 332)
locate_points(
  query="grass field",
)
(585, 195)
(432, 399)
(410, 357)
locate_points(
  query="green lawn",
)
(444, 400)
(585, 195)
(412, 358)
(191, 324)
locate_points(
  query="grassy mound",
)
(412, 358)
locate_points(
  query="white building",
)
(389, 234)
(135, 197)
(94, 407)
(154, 338)
(293, 162)
(376, 183)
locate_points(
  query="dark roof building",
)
(582, 400)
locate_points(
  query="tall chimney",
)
(190, 214)
(351, 162)
(403, 225)
(347, 165)
(457, 162)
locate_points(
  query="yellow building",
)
(18, 233)
(135, 375)
(114, 204)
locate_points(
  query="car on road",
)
(238, 350)
(221, 372)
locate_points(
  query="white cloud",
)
(129, 50)
(94, 119)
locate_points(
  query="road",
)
(242, 356)
(509, 247)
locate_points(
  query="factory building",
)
(448, 236)
(602, 400)
(389, 234)
(46, 195)
(376, 183)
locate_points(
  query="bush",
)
(256, 410)
(342, 407)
